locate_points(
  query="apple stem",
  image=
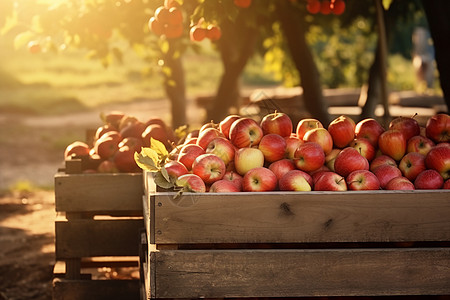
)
(414, 115)
(360, 150)
(342, 178)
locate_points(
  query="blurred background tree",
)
(313, 49)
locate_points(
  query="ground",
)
(31, 151)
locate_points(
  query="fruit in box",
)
(370, 160)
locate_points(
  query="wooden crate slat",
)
(86, 238)
(95, 289)
(279, 217)
(265, 273)
(98, 192)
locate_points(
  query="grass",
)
(50, 83)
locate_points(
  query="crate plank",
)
(95, 289)
(265, 273)
(86, 238)
(277, 217)
(98, 192)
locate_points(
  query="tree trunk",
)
(236, 46)
(174, 85)
(438, 12)
(294, 28)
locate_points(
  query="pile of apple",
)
(240, 154)
(116, 141)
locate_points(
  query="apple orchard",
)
(240, 154)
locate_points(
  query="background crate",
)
(306, 244)
(98, 224)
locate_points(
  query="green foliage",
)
(343, 54)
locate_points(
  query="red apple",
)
(188, 153)
(114, 135)
(365, 147)
(132, 142)
(155, 120)
(112, 118)
(400, 183)
(305, 125)
(107, 166)
(209, 167)
(438, 128)
(442, 144)
(382, 160)
(223, 148)
(106, 147)
(330, 181)
(419, 144)
(192, 140)
(175, 169)
(273, 146)
(309, 157)
(331, 157)
(134, 129)
(191, 183)
(233, 177)
(224, 186)
(446, 185)
(428, 180)
(156, 132)
(342, 130)
(246, 159)
(317, 173)
(294, 181)
(281, 167)
(292, 143)
(127, 120)
(245, 132)
(360, 180)
(103, 129)
(210, 124)
(124, 160)
(259, 179)
(412, 164)
(349, 160)
(207, 135)
(385, 173)
(408, 126)
(320, 136)
(439, 159)
(77, 148)
(277, 123)
(392, 142)
(225, 124)
(369, 129)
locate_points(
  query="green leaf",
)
(22, 39)
(164, 46)
(165, 174)
(387, 4)
(161, 181)
(10, 22)
(150, 153)
(145, 162)
(159, 148)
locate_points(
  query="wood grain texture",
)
(95, 289)
(278, 217)
(299, 273)
(87, 238)
(98, 192)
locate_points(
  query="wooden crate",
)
(297, 244)
(98, 223)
